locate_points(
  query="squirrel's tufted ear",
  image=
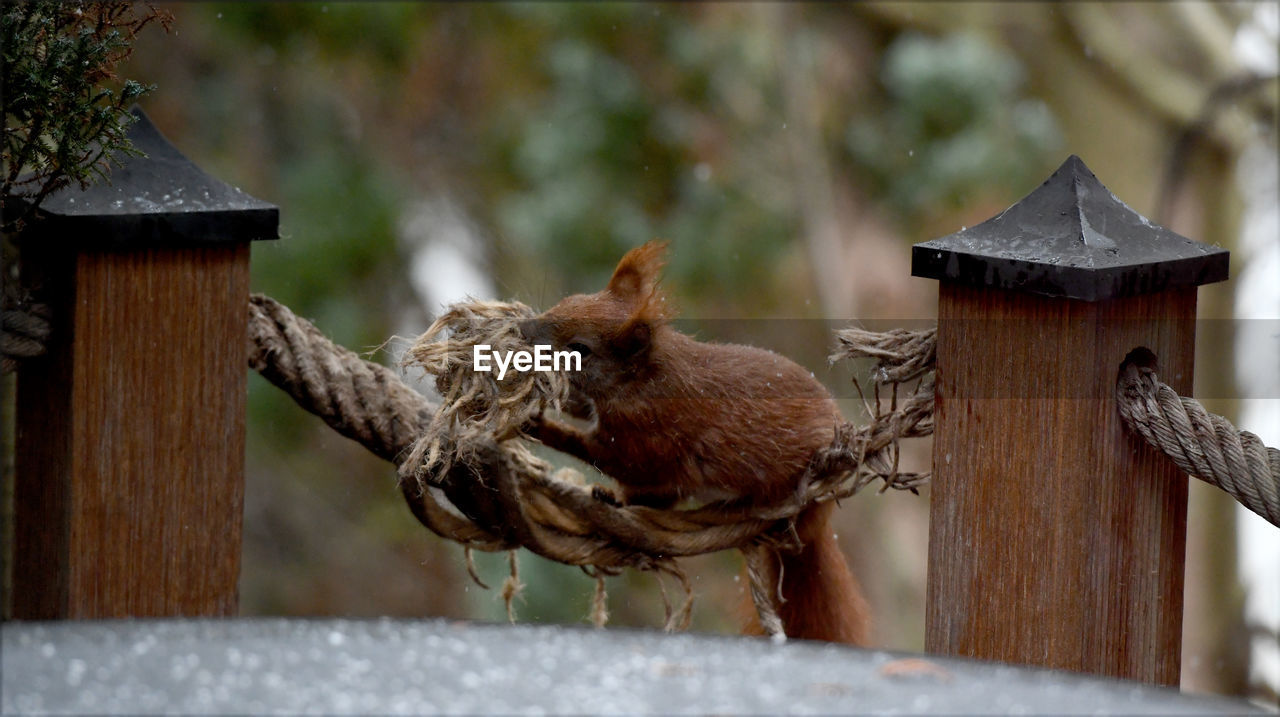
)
(637, 272)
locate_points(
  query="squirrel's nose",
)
(532, 330)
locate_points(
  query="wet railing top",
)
(385, 666)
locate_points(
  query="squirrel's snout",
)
(533, 330)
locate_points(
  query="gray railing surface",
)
(388, 666)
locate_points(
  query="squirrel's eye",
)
(582, 349)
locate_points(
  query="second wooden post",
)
(1057, 539)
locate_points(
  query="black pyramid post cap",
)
(158, 199)
(1073, 238)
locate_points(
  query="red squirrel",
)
(676, 418)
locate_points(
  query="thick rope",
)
(1202, 444)
(362, 400)
(467, 475)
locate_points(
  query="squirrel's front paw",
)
(605, 494)
(534, 424)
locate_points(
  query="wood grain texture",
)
(143, 488)
(1056, 538)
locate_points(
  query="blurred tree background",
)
(790, 152)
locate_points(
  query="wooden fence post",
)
(130, 431)
(1057, 539)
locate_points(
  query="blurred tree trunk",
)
(1215, 645)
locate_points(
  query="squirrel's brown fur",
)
(676, 418)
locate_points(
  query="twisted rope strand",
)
(359, 399)
(1202, 444)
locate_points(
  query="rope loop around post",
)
(1202, 444)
